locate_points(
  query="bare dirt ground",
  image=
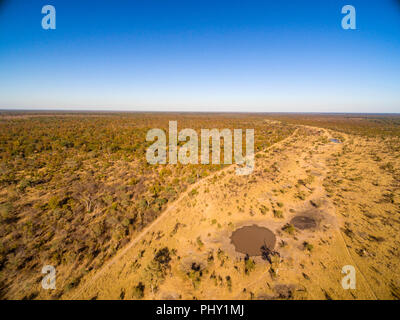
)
(327, 204)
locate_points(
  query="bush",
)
(308, 246)
(6, 211)
(125, 222)
(229, 282)
(25, 183)
(53, 203)
(98, 229)
(249, 264)
(278, 214)
(195, 274)
(301, 195)
(199, 242)
(193, 192)
(289, 228)
(138, 291)
(162, 257)
(263, 209)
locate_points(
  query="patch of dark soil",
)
(284, 291)
(303, 222)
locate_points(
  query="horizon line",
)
(193, 112)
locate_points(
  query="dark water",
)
(250, 239)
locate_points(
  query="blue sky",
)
(192, 55)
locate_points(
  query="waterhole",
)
(250, 239)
